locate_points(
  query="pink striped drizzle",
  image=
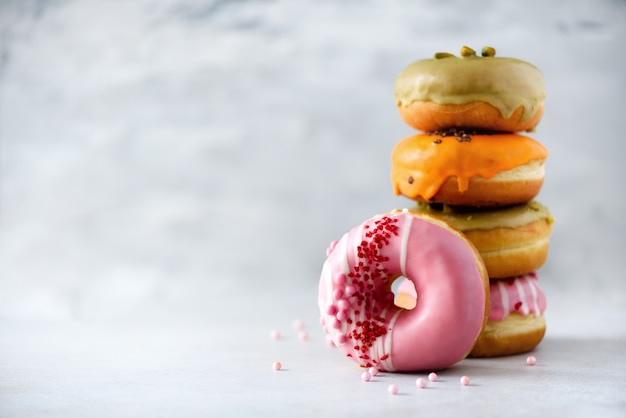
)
(520, 294)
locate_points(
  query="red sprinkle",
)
(368, 278)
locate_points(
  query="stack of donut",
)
(471, 168)
(471, 246)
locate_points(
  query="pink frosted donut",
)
(357, 304)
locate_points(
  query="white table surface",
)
(171, 172)
(220, 364)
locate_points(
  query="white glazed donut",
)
(356, 301)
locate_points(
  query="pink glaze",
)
(449, 314)
(520, 294)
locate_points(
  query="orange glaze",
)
(422, 165)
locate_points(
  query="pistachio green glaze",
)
(505, 83)
(466, 219)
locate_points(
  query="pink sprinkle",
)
(342, 315)
(298, 324)
(373, 371)
(393, 389)
(465, 380)
(531, 360)
(275, 335)
(276, 365)
(340, 279)
(303, 335)
(432, 377)
(331, 309)
(335, 323)
(343, 304)
(342, 339)
(331, 247)
(350, 290)
(365, 376)
(330, 341)
(337, 294)
(420, 383)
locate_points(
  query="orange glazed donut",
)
(512, 241)
(357, 304)
(516, 323)
(498, 94)
(458, 167)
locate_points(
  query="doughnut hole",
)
(404, 292)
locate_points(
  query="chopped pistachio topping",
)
(466, 51)
(488, 52)
(440, 55)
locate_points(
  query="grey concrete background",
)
(171, 173)
(155, 153)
